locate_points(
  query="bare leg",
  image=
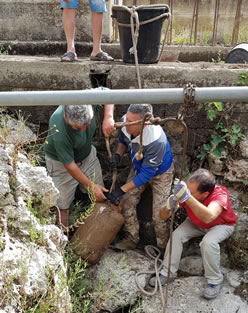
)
(69, 23)
(96, 27)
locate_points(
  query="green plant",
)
(223, 139)
(242, 35)
(243, 79)
(106, 289)
(79, 290)
(211, 108)
(218, 59)
(204, 37)
(35, 206)
(3, 51)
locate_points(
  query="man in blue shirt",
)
(155, 167)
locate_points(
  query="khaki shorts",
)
(66, 184)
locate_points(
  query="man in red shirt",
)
(209, 215)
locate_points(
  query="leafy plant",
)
(3, 51)
(223, 139)
(211, 108)
(243, 79)
(76, 270)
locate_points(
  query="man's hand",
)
(98, 192)
(108, 126)
(171, 204)
(115, 196)
(164, 214)
(115, 160)
(181, 192)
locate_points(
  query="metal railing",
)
(195, 33)
(121, 96)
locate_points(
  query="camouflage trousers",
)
(161, 186)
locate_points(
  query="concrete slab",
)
(48, 73)
(51, 48)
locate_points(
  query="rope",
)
(157, 267)
(139, 155)
(114, 173)
(67, 229)
(148, 119)
(189, 94)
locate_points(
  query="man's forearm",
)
(77, 174)
(203, 213)
(108, 124)
(128, 186)
(109, 110)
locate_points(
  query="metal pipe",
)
(121, 96)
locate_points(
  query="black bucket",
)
(148, 45)
(238, 54)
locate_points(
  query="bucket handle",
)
(133, 10)
(163, 15)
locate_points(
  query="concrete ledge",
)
(48, 73)
(51, 48)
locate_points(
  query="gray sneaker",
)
(124, 244)
(212, 291)
(163, 280)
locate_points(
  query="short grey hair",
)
(205, 180)
(141, 109)
(79, 114)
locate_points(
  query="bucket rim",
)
(118, 8)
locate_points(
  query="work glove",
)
(115, 160)
(115, 196)
(171, 204)
(181, 192)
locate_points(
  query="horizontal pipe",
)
(121, 96)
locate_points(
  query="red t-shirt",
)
(227, 216)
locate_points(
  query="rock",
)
(192, 265)
(114, 278)
(237, 170)
(185, 295)
(244, 147)
(31, 254)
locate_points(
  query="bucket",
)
(238, 54)
(92, 238)
(149, 39)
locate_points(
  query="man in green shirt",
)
(70, 156)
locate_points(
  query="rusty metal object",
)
(93, 237)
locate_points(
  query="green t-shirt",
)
(65, 144)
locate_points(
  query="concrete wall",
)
(28, 20)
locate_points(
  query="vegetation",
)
(83, 297)
(225, 138)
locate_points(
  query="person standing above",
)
(209, 215)
(97, 7)
(70, 156)
(155, 167)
